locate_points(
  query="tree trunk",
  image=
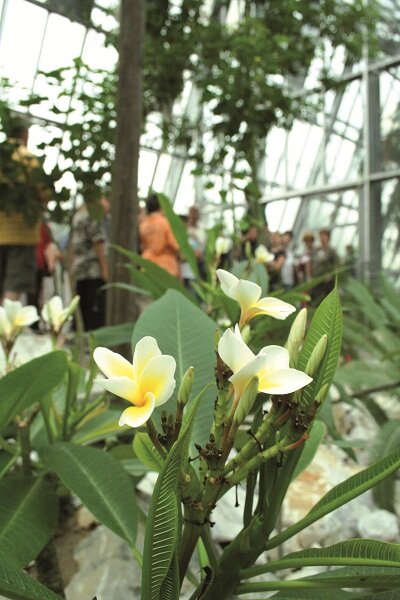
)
(121, 306)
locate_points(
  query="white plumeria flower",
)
(271, 366)
(222, 245)
(14, 316)
(248, 295)
(146, 383)
(262, 255)
(55, 314)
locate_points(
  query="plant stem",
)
(23, 433)
(152, 433)
(46, 420)
(190, 535)
(209, 546)
(257, 460)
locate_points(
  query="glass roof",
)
(322, 151)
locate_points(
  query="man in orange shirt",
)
(157, 240)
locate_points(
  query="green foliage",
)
(186, 333)
(387, 440)
(28, 518)
(146, 452)
(99, 481)
(17, 585)
(98, 427)
(360, 552)
(327, 321)
(163, 530)
(347, 577)
(113, 335)
(151, 277)
(30, 383)
(240, 71)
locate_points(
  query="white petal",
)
(27, 316)
(276, 357)
(5, 325)
(233, 351)
(12, 308)
(55, 304)
(242, 378)
(228, 281)
(158, 378)
(112, 364)
(246, 293)
(146, 349)
(168, 391)
(124, 387)
(284, 381)
(273, 307)
(135, 416)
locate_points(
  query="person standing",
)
(196, 240)
(89, 263)
(288, 267)
(24, 193)
(305, 261)
(275, 267)
(325, 261)
(157, 242)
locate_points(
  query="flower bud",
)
(72, 307)
(246, 334)
(320, 397)
(186, 387)
(296, 336)
(246, 401)
(317, 356)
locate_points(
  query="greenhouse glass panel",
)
(390, 117)
(96, 55)
(186, 191)
(147, 166)
(20, 53)
(161, 172)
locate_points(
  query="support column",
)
(121, 307)
(370, 213)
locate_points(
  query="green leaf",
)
(387, 439)
(99, 427)
(366, 303)
(99, 481)
(30, 383)
(160, 279)
(357, 552)
(359, 577)
(186, 333)
(28, 518)
(113, 335)
(180, 233)
(347, 577)
(6, 462)
(171, 584)
(163, 524)
(327, 320)
(17, 585)
(341, 494)
(146, 452)
(317, 434)
(316, 595)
